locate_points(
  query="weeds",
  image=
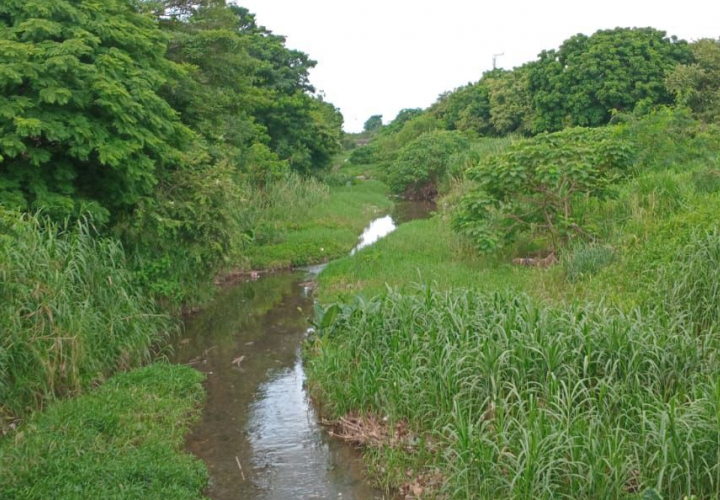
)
(530, 401)
(70, 312)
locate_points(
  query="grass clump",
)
(586, 260)
(123, 440)
(513, 399)
(70, 312)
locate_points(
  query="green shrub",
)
(186, 231)
(423, 164)
(364, 155)
(534, 184)
(670, 138)
(71, 312)
(478, 150)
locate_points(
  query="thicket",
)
(157, 119)
(589, 81)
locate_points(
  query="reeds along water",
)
(525, 400)
(70, 312)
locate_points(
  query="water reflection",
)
(377, 229)
(259, 434)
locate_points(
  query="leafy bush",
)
(364, 155)
(423, 164)
(183, 234)
(671, 139)
(478, 150)
(697, 84)
(534, 183)
(71, 312)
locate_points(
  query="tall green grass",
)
(518, 400)
(70, 312)
(514, 398)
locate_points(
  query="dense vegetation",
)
(70, 312)
(145, 147)
(148, 145)
(552, 332)
(590, 81)
(158, 120)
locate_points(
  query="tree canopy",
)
(373, 123)
(82, 118)
(589, 77)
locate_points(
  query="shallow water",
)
(259, 435)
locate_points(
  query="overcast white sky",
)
(380, 56)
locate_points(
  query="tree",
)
(589, 77)
(510, 101)
(81, 116)
(245, 87)
(465, 109)
(697, 85)
(373, 123)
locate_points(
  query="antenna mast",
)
(495, 56)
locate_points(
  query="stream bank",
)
(259, 434)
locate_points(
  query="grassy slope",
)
(123, 440)
(329, 231)
(422, 251)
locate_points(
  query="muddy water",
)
(259, 434)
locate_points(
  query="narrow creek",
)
(259, 434)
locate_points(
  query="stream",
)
(259, 434)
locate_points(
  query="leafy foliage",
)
(697, 84)
(373, 123)
(423, 163)
(82, 119)
(534, 183)
(588, 77)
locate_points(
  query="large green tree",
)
(697, 85)
(80, 115)
(246, 87)
(373, 123)
(589, 77)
